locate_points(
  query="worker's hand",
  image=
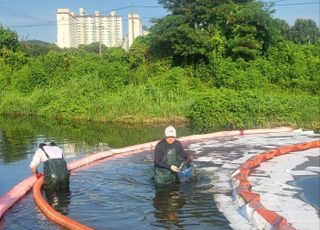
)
(38, 175)
(174, 168)
(34, 171)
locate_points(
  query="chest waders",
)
(56, 174)
(164, 175)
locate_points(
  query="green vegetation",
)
(209, 63)
(251, 108)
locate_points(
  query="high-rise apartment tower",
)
(134, 27)
(73, 30)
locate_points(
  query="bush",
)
(17, 104)
(30, 77)
(250, 109)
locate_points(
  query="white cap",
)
(170, 132)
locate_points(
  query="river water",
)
(120, 193)
(115, 194)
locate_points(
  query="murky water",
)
(114, 194)
(20, 137)
(120, 194)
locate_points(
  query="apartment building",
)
(66, 29)
(73, 30)
(134, 27)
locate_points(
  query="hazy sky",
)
(36, 19)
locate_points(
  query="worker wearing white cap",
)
(168, 156)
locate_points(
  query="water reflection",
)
(19, 135)
(167, 203)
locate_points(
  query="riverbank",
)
(206, 111)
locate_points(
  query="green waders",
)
(164, 175)
(56, 174)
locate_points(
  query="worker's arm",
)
(159, 157)
(36, 160)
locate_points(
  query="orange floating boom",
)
(261, 216)
(52, 214)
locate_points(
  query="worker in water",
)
(168, 157)
(56, 173)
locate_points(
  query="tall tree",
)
(138, 53)
(163, 34)
(189, 32)
(93, 47)
(282, 28)
(249, 30)
(35, 48)
(305, 31)
(8, 39)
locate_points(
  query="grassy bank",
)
(280, 88)
(204, 109)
